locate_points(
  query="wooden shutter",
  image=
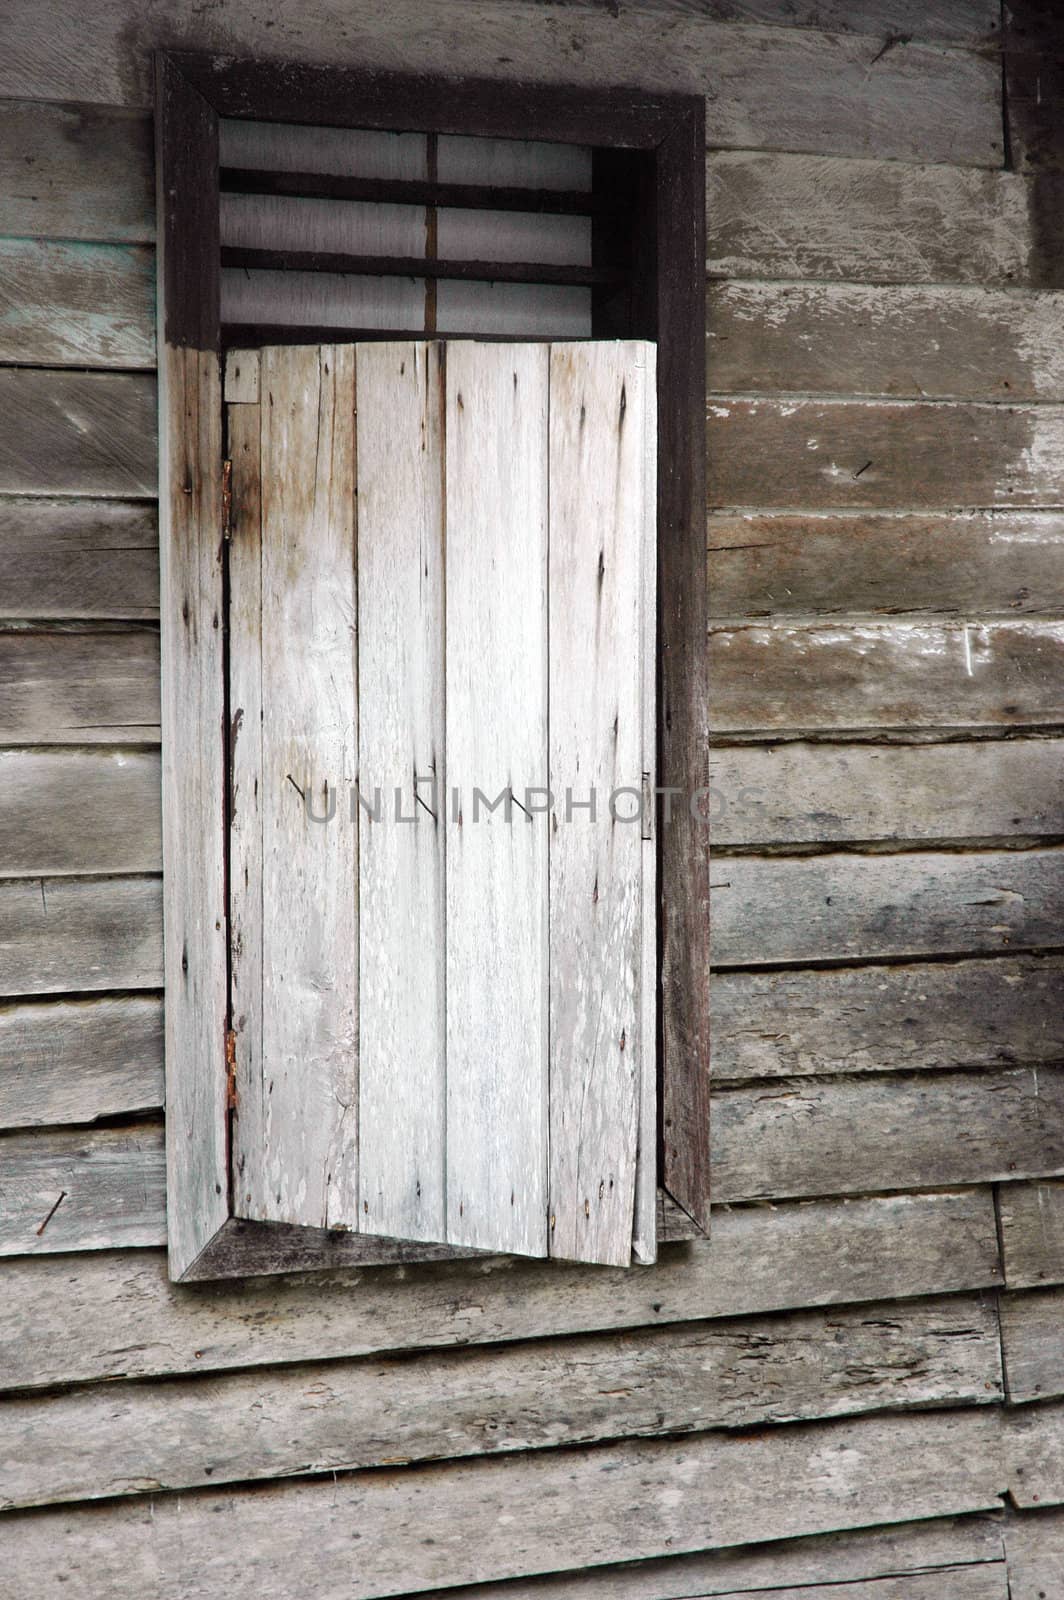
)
(441, 658)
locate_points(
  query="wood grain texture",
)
(795, 793)
(602, 408)
(78, 433)
(712, 1490)
(982, 563)
(402, 1087)
(783, 89)
(1032, 1335)
(75, 171)
(77, 1060)
(849, 1136)
(99, 687)
(307, 1170)
(71, 1191)
(960, 1014)
(79, 811)
(63, 934)
(796, 216)
(852, 339)
(856, 676)
(1034, 1446)
(846, 907)
(936, 1550)
(115, 1315)
(78, 558)
(193, 730)
(99, 1443)
(915, 455)
(1032, 1233)
(68, 304)
(496, 687)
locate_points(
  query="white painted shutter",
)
(443, 981)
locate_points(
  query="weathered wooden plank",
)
(116, 1315)
(1032, 1233)
(75, 1061)
(982, 563)
(478, 1521)
(247, 791)
(68, 304)
(64, 934)
(910, 454)
(918, 1552)
(402, 1089)
(601, 409)
(789, 89)
(797, 793)
(71, 1191)
(306, 1169)
(848, 1136)
(99, 1443)
(88, 433)
(1035, 1547)
(79, 811)
(78, 558)
(961, 22)
(923, 343)
(791, 1024)
(849, 907)
(984, 1582)
(797, 216)
(1032, 1344)
(841, 677)
(99, 687)
(1034, 1453)
(193, 770)
(496, 685)
(75, 171)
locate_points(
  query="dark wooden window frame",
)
(649, 156)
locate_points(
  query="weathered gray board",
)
(938, 342)
(978, 564)
(101, 1442)
(789, 89)
(1032, 1233)
(818, 217)
(959, 1558)
(113, 1315)
(467, 1521)
(66, 558)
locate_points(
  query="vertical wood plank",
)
(682, 686)
(598, 402)
(496, 686)
(309, 742)
(402, 1076)
(644, 1233)
(245, 794)
(193, 689)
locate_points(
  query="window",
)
(293, 314)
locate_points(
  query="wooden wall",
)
(856, 1389)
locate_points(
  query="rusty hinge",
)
(227, 499)
(230, 1070)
